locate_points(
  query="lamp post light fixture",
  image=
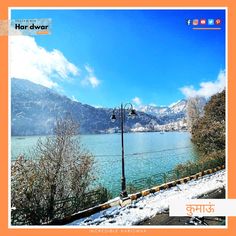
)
(122, 113)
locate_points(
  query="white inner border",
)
(104, 229)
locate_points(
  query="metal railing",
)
(61, 208)
(101, 195)
(168, 176)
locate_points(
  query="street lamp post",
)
(132, 113)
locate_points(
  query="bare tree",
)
(58, 168)
(195, 108)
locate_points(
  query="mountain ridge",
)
(35, 109)
(179, 106)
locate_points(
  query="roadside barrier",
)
(131, 197)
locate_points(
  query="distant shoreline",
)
(23, 136)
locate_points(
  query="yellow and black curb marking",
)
(116, 202)
(174, 183)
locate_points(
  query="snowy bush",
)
(58, 169)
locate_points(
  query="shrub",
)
(208, 133)
(58, 168)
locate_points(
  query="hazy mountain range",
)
(34, 109)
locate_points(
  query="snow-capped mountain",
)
(34, 109)
(175, 108)
(153, 110)
(180, 106)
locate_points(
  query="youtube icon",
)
(203, 21)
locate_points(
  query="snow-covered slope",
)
(179, 106)
(175, 108)
(154, 110)
(148, 206)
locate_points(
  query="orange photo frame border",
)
(4, 228)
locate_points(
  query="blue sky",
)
(114, 56)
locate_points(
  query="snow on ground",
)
(148, 206)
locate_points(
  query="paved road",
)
(164, 219)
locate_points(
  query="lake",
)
(145, 154)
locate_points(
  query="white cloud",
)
(30, 61)
(89, 69)
(90, 79)
(137, 101)
(206, 89)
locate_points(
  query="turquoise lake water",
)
(145, 154)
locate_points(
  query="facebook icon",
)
(188, 21)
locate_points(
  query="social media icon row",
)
(204, 22)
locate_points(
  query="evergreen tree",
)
(208, 133)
